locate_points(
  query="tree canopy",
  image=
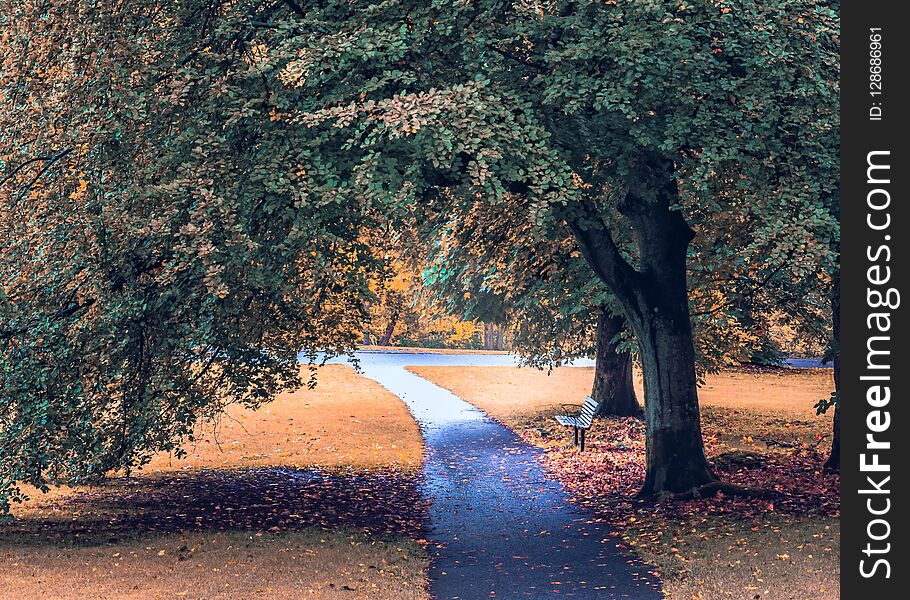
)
(208, 177)
(640, 121)
(162, 256)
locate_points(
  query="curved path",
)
(499, 526)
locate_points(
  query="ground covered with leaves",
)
(761, 432)
(314, 496)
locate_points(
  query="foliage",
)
(404, 313)
(168, 247)
(211, 168)
(552, 296)
(824, 404)
(485, 100)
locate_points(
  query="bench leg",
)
(575, 443)
(582, 441)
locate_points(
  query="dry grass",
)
(306, 564)
(512, 395)
(777, 557)
(701, 556)
(313, 496)
(345, 421)
(515, 395)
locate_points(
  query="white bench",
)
(581, 421)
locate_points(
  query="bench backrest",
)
(588, 410)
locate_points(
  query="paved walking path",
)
(499, 526)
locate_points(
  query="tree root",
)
(712, 488)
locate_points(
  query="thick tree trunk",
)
(654, 299)
(675, 454)
(613, 386)
(833, 462)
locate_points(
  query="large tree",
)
(164, 252)
(240, 148)
(583, 109)
(742, 286)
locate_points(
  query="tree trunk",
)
(833, 462)
(654, 299)
(487, 336)
(613, 386)
(389, 329)
(498, 337)
(675, 453)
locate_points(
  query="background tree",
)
(556, 308)
(403, 309)
(394, 298)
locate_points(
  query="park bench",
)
(581, 421)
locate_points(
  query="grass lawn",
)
(760, 429)
(313, 496)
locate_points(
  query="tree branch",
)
(599, 249)
(50, 160)
(518, 59)
(63, 312)
(292, 4)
